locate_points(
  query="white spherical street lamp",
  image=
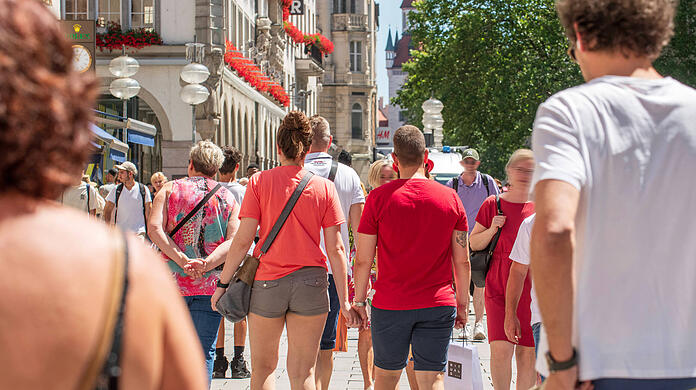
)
(195, 73)
(124, 66)
(124, 88)
(432, 119)
(194, 94)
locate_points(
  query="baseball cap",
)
(470, 153)
(127, 166)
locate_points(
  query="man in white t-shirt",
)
(352, 200)
(518, 273)
(82, 197)
(613, 248)
(131, 201)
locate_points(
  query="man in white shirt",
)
(613, 245)
(82, 197)
(131, 200)
(109, 182)
(352, 200)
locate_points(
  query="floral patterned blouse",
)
(199, 237)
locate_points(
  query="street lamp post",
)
(432, 119)
(194, 74)
(124, 87)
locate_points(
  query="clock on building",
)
(82, 59)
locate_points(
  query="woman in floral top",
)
(202, 243)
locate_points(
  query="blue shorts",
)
(328, 338)
(426, 331)
(645, 384)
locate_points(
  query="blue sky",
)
(389, 15)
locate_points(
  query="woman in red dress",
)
(515, 206)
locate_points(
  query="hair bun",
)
(295, 120)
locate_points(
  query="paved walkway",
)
(346, 375)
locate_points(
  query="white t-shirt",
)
(624, 143)
(129, 215)
(237, 191)
(347, 185)
(520, 254)
(76, 197)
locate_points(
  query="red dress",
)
(497, 278)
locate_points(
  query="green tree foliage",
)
(492, 62)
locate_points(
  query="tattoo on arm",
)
(463, 239)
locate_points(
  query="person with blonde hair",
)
(157, 180)
(381, 172)
(84, 306)
(515, 207)
(193, 221)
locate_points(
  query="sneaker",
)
(238, 369)
(479, 332)
(468, 332)
(457, 333)
(220, 366)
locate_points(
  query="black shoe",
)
(220, 367)
(238, 368)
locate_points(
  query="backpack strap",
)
(87, 198)
(455, 184)
(332, 172)
(119, 188)
(142, 196)
(484, 178)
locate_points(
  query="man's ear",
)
(579, 44)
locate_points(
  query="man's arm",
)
(108, 211)
(354, 214)
(366, 246)
(552, 245)
(148, 209)
(462, 274)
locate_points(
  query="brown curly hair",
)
(639, 27)
(295, 135)
(45, 106)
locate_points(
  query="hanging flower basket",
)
(115, 39)
(321, 42)
(247, 70)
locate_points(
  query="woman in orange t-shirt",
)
(291, 283)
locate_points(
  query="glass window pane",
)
(69, 6)
(137, 5)
(137, 20)
(82, 6)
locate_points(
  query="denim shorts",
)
(302, 292)
(427, 331)
(328, 338)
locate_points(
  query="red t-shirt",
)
(414, 221)
(297, 244)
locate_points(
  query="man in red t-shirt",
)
(420, 231)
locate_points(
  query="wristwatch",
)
(222, 285)
(359, 304)
(555, 366)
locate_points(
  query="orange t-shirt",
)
(297, 244)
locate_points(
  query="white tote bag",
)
(463, 371)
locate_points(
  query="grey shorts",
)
(303, 292)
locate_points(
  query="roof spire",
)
(390, 43)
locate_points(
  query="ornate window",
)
(108, 11)
(76, 10)
(356, 56)
(143, 14)
(356, 115)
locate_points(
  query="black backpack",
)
(119, 188)
(484, 177)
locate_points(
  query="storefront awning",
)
(117, 149)
(140, 132)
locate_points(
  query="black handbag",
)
(234, 303)
(481, 260)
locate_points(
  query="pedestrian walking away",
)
(84, 305)
(608, 154)
(192, 223)
(352, 200)
(515, 207)
(291, 282)
(419, 230)
(473, 187)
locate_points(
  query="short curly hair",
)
(45, 106)
(639, 27)
(206, 158)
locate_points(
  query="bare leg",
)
(324, 369)
(304, 334)
(221, 335)
(411, 375)
(526, 374)
(366, 357)
(240, 331)
(430, 380)
(386, 379)
(264, 336)
(501, 364)
(479, 307)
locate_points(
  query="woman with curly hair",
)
(291, 285)
(108, 321)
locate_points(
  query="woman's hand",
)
(216, 297)
(353, 319)
(498, 221)
(195, 268)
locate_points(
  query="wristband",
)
(360, 304)
(222, 285)
(555, 366)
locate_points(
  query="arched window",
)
(356, 115)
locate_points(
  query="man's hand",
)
(195, 268)
(462, 316)
(350, 315)
(566, 380)
(513, 330)
(362, 319)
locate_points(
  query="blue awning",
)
(102, 134)
(142, 138)
(117, 156)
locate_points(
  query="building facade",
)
(348, 96)
(397, 52)
(236, 113)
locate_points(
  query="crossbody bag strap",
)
(286, 212)
(494, 241)
(332, 172)
(193, 212)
